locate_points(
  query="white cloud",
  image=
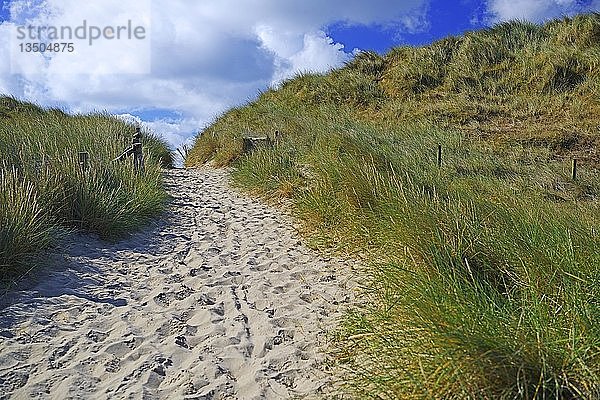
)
(315, 52)
(536, 10)
(319, 53)
(205, 56)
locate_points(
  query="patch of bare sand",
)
(220, 300)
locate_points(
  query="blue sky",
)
(202, 57)
(442, 18)
(4, 13)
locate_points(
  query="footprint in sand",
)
(112, 365)
(55, 360)
(96, 336)
(184, 293)
(13, 380)
(163, 299)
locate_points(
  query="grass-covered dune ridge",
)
(483, 273)
(517, 81)
(44, 193)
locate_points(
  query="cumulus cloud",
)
(314, 52)
(199, 58)
(536, 10)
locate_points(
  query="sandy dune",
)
(219, 300)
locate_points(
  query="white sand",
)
(220, 300)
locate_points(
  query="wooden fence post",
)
(84, 157)
(138, 154)
(134, 150)
(574, 169)
(252, 142)
(248, 145)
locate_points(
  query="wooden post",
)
(84, 157)
(138, 154)
(574, 169)
(439, 155)
(248, 145)
(251, 143)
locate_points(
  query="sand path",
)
(219, 300)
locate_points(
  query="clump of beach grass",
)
(481, 276)
(46, 193)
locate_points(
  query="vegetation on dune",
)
(483, 274)
(44, 193)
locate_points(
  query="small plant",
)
(26, 225)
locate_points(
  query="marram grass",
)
(45, 193)
(482, 276)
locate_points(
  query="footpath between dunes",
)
(218, 300)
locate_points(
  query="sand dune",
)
(219, 300)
